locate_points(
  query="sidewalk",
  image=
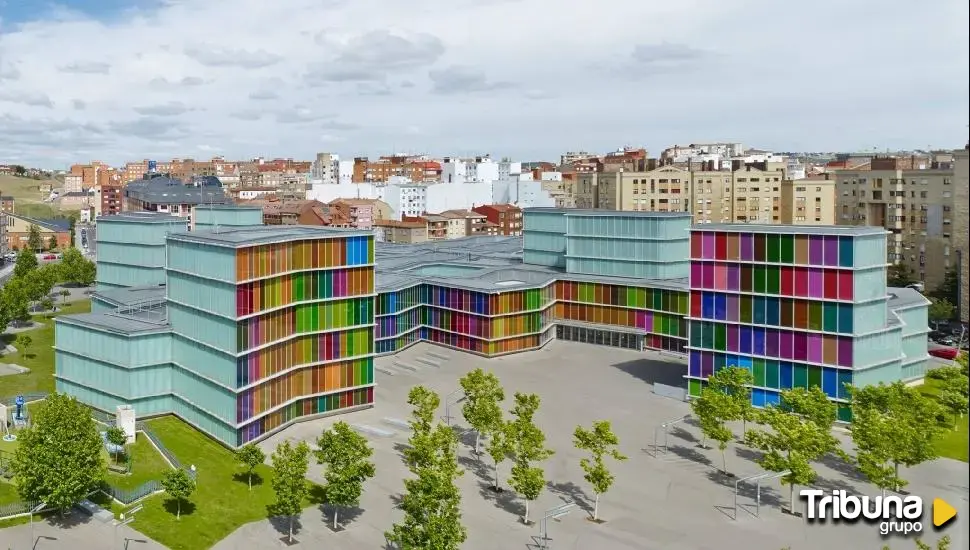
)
(77, 532)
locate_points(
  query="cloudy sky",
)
(126, 79)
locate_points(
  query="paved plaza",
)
(77, 531)
(672, 501)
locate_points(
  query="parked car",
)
(945, 353)
(947, 341)
(50, 256)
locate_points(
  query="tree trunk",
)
(791, 498)
(596, 507)
(744, 426)
(896, 476)
(250, 480)
(526, 518)
(291, 530)
(495, 469)
(336, 509)
(178, 508)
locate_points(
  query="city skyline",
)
(120, 81)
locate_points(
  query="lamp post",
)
(125, 521)
(33, 511)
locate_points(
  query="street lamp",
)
(125, 521)
(33, 511)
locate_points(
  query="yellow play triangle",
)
(942, 512)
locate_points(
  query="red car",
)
(50, 257)
(945, 353)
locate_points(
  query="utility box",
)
(125, 419)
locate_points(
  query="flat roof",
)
(226, 207)
(241, 236)
(851, 230)
(163, 190)
(121, 323)
(141, 217)
(130, 296)
(611, 213)
(900, 298)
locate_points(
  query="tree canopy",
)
(346, 457)
(290, 465)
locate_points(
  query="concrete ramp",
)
(398, 423)
(95, 511)
(364, 429)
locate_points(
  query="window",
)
(818, 189)
(799, 189)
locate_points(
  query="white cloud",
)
(523, 78)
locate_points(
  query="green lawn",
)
(8, 493)
(147, 464)
(955, 443)
(40, 359)
(222, 502)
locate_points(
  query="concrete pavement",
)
(77, 531)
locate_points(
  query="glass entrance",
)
(599, 337)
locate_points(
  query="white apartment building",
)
(325, 168)
(694, 151)
(478, 169)
(72, 184)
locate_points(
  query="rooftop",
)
(131, 296)
(141, 217)
(226, 207)
(611, 213)
(236, 237)
(900, 298)
(847, 230)
(170, 191)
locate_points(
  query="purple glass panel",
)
(695, 363)
(734, 277)
(845, 352)
(815, 250)
(815, 347)
(732, 307)
(696, 274)
(708, 275)
(647, 321)
(707, 365)
(816, 283)
(784, 344)
(831, 250)
(800, 346)
(732, 337)
(771, 342)
(642, 319)
(708, 246)
(747, 246)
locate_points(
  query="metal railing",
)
(15, 509)
(130, 496)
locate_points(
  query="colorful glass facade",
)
(780, 304)
(306, 330)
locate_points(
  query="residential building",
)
(478, 169)
(960, 249)
(437, 225)
(7, 203)
(73, 183)
(665, 189)
(916, 206)
(507, 217)
(409, 232)
(809, 201)
(414, 199)
(476, 224)
(570, 157)
(18, 231)
(325, 168)
(108, 199)
(286, 184)
(166, 195)
(277, 212)
(76, 200)
(4, 250)
(252, 193)
(416, 169)
(362, 213)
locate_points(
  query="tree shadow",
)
(466, 436)
(828, 485)
(570, 492)
(282, 526)
(401, 448)
(396, 499)
(480, 468)
(746, 490)
(171, 506)
(691, 454)
(840, 465)
(652, 371)
(505, 499)
(346, 516)
(748, 454)
(67, 519)
(243, 477)
(681, 433)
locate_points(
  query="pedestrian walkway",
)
(77, 531)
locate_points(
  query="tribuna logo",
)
(894, 514)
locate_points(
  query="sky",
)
(119, 80)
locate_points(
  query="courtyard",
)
(674, 500)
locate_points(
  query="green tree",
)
(24, 341)
(47, 303)
(499, 449)
(946, 373)
(735, 382)
(34, 240)
(954, 396)
(942, 544)
(940, 310)
(949, 288)
(600, 442)
(250, 456)
(483, 395)
(900, 426)
(59, 458)
(52, 243)
(424, 403)
(5, 316)
(116, 436)
(26, 262)
(432, 501)
(16, 300)
(179, 485)
(962, 361)
(800, 432)
(712, 407)
(75, 268)
(290, 465)
(88, 273)
(898, 275)
(64, 294)
(528, 444)
(346, 455)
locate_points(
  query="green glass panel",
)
(815, 315)
(774, 249)
(707, 332)
(771, 373)
(720, 337)
(719, 362)
(684, 303)
(694, 387)
(760, 276)
(759, 372)
(814, 376)
(844, 413)
(800, 377)
(830, 317)
(745, 309)
(787, 249)
(695, 334)
(773, 275)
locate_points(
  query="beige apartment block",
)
(665, 189)
(808, 201)
(960, 252)
(915, 206)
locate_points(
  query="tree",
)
(425, 405)
(34, 240)
(942, 544)
(483, 394)
(52, 243)
(528, 445)
(26, 262)
(116, 436)
(346, 455)
(712, 408)
(250, 456)
(64, 294)
(899, 276)
(735, 382)
(894, 425)
(940, 310)
(949, 288)
(600, 442)
(179, 485)
(59, 458)
(46, 303)
(800, 433)
(432, 501)
(499, 448)
(24, 341)
(290, 464)
(5, 316)
(16, 300)
(75, 268)
(954, 396)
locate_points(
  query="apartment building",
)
(316, 213)
(914, 201)
(288, 185)
(325, 168)
(400, 166)
(362, 213)
(808, 201)
(961, 182)
(73, 183)
(408, 232)
(7, 203)
(161, 194)
(475, 223)
(507, 217)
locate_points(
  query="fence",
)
(131, 496)
(28, 397)
(16, 509)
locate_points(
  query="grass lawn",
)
(24, 190)
(8, 493)
(147, 464)
(222, 501)
(41, 354)
(955, 443)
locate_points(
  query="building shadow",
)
(570, 492)
(506, 499)
(652, 371)
(67, 520)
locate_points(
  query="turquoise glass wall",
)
(205, 218)
(212, 262)
(544, 237)
(641, 246)
(213, 296)
(131, 248)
